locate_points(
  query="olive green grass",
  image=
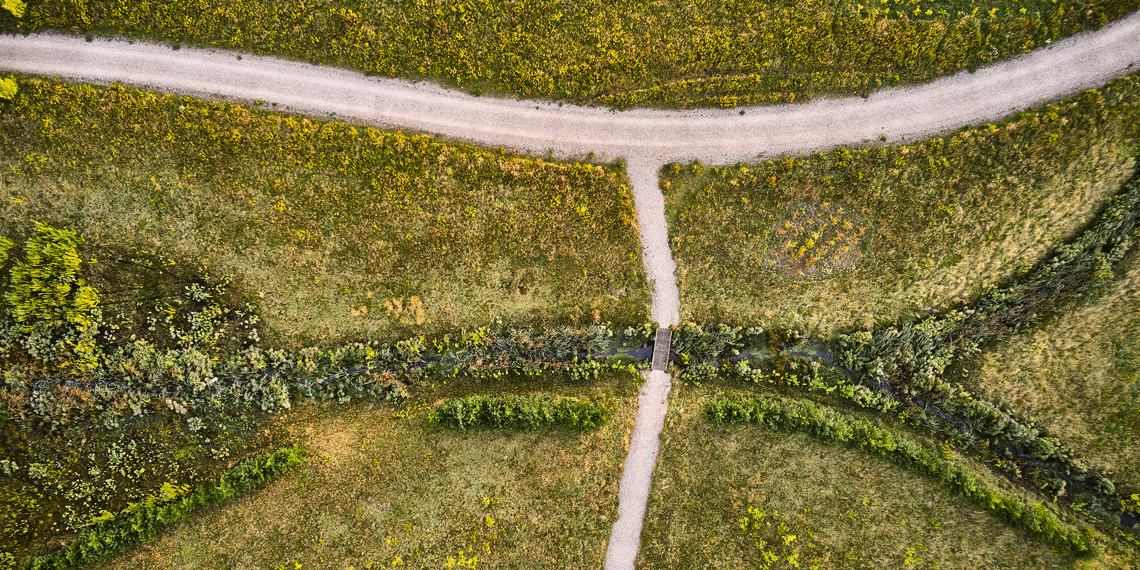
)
(666, 53)
(386, 487)
(857, 238)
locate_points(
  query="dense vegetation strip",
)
(333, 232)
(829, 425)
(907, 364)
(857, 238)
(648, 52)
(141, 522)
(519, 412)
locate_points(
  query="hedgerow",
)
(141, 522)
(827, 424)
(140, 378)
(672, 53)
(519, 412)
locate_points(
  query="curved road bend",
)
(645, 138)
(720, 136)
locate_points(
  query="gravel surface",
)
(719, 136)
(646, 139)
(625, 538)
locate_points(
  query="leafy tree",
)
(45, 286)
(8, 88)
(16, 7)
(46, 309)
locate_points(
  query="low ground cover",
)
(111, 533)
(648, 52)
(386, 486)
(56, 483)
(844, 508)
(915, 370)
(856, 238)
(329, 231)
(1077, 377)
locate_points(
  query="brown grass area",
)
(384, 486)
(340, 232)
(846, 509)
(1077, 377)
(945, 218)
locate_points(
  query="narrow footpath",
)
(646, 139)
(652, 400)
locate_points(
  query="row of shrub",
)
(59, 366)
(886, 368)
(826, 424)
(519, 412)
(139, 378)
(143, 521)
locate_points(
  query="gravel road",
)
(646, 139)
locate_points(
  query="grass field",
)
(859, 237)
(844, 508)
(386, 488)
(1077, 377)
(334, 232)
(669, 53)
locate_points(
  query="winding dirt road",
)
(645, 138)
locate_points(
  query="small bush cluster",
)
(141, 522)
(778, 541)
(828, 425)
(520, 412)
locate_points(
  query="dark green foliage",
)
(829, 425)
(1076, 269)
(141, 378)
(142, 522)
(518, 412)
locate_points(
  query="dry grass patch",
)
(846, 509)
(385, 487)
(342, 232)
(1077, 377)
(943, 218)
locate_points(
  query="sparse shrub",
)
(141, 522)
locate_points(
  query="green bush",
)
(143, 521)
(519, 412)
(827, 424)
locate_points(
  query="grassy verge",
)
(858, 238)
(661, 52)
(385, 485)
(64, 479)
(846, 509)
(141, 522)
(334, 232)
(1077, 377)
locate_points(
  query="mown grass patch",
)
(647, 52)
(1077, 377)
(334, 231)
(385, 486)
(845, 508)
(931, 223)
